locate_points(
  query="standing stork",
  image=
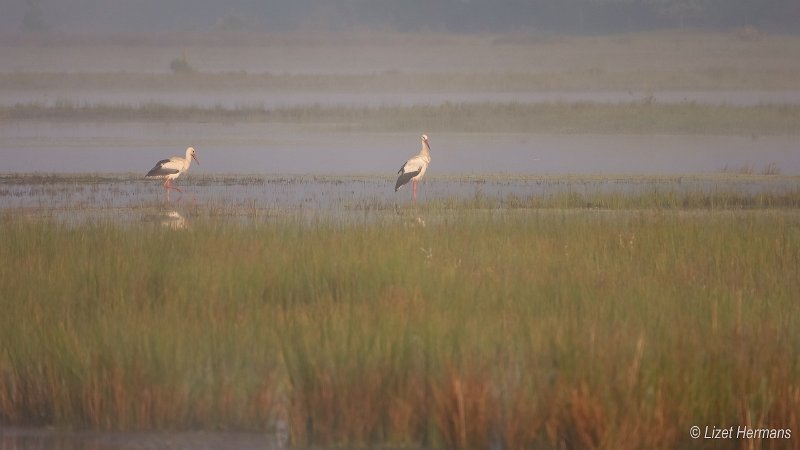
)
(414, 169)
(172, 168)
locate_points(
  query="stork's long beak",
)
(195, 159)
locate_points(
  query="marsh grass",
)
(513, 62)
(559, 328)
(708, 78)
(645, 117)
(80, 198)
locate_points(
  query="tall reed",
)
(570, 329)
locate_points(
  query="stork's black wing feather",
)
(404, 178)
(160, 170)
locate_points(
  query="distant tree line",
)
(567, 16)
(576, 16)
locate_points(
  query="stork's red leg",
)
(168, 185)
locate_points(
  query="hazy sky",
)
(590, 16)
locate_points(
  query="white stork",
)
(172, 168)
(414, 169)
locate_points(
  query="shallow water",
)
(67, 147)
(347, 199)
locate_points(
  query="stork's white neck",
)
(426, 149)
(188, 158)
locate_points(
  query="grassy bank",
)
(646, 117)
(546, 327)
(673, 59)
(552, 79)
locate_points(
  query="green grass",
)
(542, 327)
(644, 117)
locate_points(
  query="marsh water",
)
(87, 147)
(127, 198)
(77, 170)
